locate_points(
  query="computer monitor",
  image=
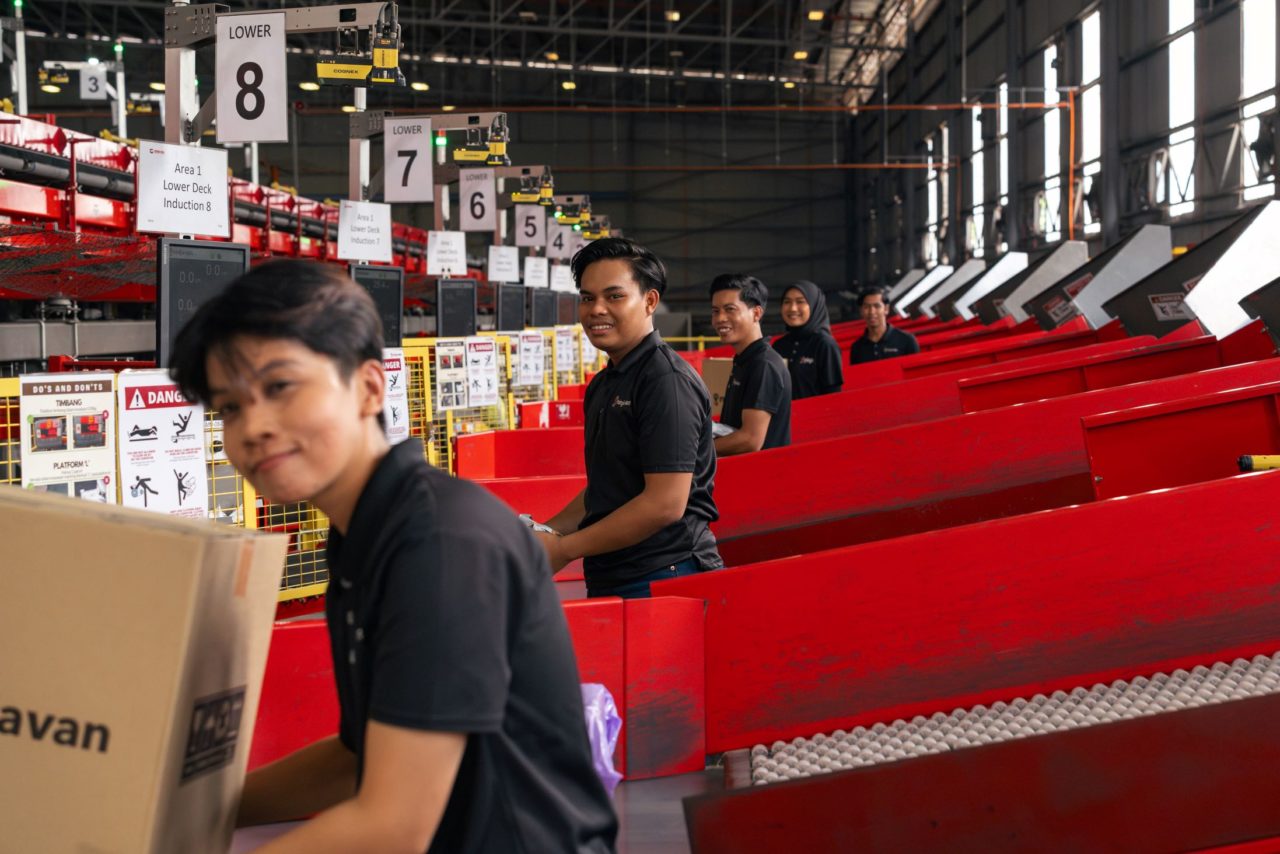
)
(511, 305)
(386, 286)
(544, 309)
(455, 308)
(189, 273)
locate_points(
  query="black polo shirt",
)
(893, 343)
(650, 413)
(813, 361)
(443, 616)
(759, 380)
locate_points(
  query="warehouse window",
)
(1049, 209)
(1179, 189)
(1257, 81)
(1003, 134)
(977, 178)
(1090, 119)
(929, 245)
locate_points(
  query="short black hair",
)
(646, 268)
(752, 290)
(872, 291)
(315, 304)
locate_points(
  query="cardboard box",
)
(715, 373)
(132, 648)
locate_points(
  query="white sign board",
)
(504, 264)
(252, 78)
(566, 349)
(531, 225)
(446, 253)
(364, 231)
(451, 374)
(559, 241)
(590, 355)
(93, 83)
(535, 272)
(395, 408)
(477, 199)
(68, 434)
(407, 163)
(531, 359)
(162, 448)
(482, 372)
(182, 189)
(562, 278)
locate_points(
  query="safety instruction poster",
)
(451, 374)
(162, 448)
(566, 350)
(68, 434)
(482, 372)
(590, 355)
(531, 356)
(395, 408)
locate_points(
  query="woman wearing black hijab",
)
(812, 355)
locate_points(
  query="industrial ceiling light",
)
(419, 86)
(800, 55)
(528, 17)
(789, 85)
(552, 56)
(569, 85)
(348, 108)
(675, 54)
(309, 86)
(51, 88)
(817, 15)
(672, 15)
(448, 108)
(156, 85)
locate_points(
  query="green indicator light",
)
(119, 48)
(441, 142)
(577, 226)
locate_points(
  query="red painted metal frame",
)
(1196, 778)
(648, 653)
(571, 392)
(520, 453)
(1183, 441)
(1033, 603)
(550, 413)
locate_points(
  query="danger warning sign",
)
(155, 397)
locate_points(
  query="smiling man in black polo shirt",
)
(645, 514)
(880, 340)
(757, 399)
(461, 721)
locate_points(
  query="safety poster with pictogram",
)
(162, 447)
(68, 434)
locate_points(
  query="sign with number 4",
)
(406, 144)
(252, 78)
(560, 241)
(476, 197)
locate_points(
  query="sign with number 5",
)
(252, 79)
(531, 225)
(476, 198)
(407, 171)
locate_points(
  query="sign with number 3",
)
(252, 79)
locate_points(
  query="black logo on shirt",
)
(808, 360)
(619, 403)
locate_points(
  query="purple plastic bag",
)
(603, 726)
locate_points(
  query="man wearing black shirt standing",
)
(461, 721)
(757, 399)
(646, 512)
(880, 340)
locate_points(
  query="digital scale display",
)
(545, 310)
(510, 308)
(386, 286)
(455, 308)
(190, 273)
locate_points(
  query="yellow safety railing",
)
(700, 342)
(232, 500)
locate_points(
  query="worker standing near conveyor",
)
(646, 512)
(757, 398)
(812, 354)
(461, 719)
(880, 340)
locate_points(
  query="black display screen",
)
(386, 286)
(510, 308)
(455, 308)
(568, 309)
(545, 309)
(189, 274)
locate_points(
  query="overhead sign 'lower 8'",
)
(252, 78)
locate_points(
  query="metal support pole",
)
(122, 105)
(1112, 175)
(20, 66)
(358, 156)
(253, 162)
(908, 180)
(1013, 53)
(953, 246)
(181, 101)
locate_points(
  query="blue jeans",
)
(638, 588)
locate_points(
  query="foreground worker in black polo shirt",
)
(880, 340)
(461, 722)
(757, 398)
(645, 514)
(812, 354)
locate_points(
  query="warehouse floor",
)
(651, 814)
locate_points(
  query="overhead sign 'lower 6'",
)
(252, 79)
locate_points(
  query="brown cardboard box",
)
(132, 648)
(715, 373)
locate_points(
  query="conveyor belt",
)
(1019, 718)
